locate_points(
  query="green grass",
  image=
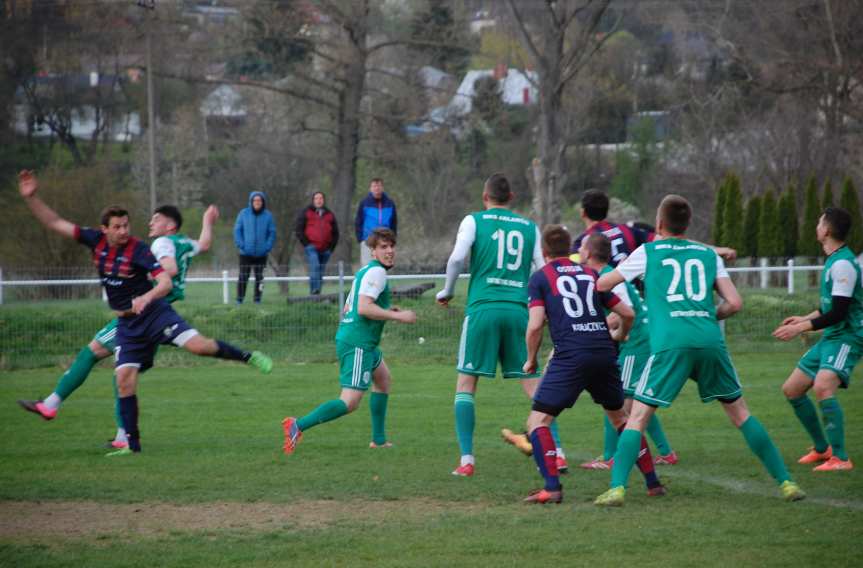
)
(212, 487)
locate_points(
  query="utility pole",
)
(151, 118)
(151, 114)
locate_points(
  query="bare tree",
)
(560, 37)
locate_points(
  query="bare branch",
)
(527, 40)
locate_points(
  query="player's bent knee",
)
(98, 350)
(546, 409)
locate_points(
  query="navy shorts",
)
(138, 337)
(568, 375)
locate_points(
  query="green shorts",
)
(667, 371)
(356, 365)
(631, 367)
(493, 334)
(107, 336)
(833, 355)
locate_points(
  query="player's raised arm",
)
(533, 337)
(463, 243)
(205, 240)
(27, 187)
(609, 280)
(160, 290)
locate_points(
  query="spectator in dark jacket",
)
(318, 232)
(375, 210)
(254, 235)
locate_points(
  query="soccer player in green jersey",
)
(827, 366)
(174, 252)
(361, 362)
(596, 252)
(679, 279)
(502, 246)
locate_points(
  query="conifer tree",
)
(788, 222)
(732, 230)
(850, 201)
(807, 245)
(751, 225)
(827, 199)
(769, 231)
(719, 212)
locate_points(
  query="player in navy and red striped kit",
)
(585, 356)
(624, 238)
(145, 320)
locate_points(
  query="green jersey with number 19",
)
(182, 248)
(358, 330)
(679, 276)
(500, 257)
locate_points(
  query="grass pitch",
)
(212, 487)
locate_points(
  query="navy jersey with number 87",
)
(574, 308)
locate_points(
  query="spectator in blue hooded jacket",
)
(254, 235)
(375, 210)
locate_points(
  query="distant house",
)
(515, 89)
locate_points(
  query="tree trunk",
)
(347, 147)
(550, 175)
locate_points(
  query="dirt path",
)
(72, 519)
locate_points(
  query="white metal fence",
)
(45, 321)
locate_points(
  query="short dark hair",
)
(498, 189)
(171, 213)
(314, 193)
(556, 241)
(599, 247)
(381, 235)
(839, 221)
(378, 180)
(675, 212)
(595, 204)
(112, 211)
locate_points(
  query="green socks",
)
(465, 419)
(378, 408)
(329, 410)
(77, 373)
(657, 434)
(609, 439)
(628, 446)
(762, 446)
(834, 425)
(804, 408)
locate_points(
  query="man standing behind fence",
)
(318, 232)
(254, 235)
(376, 210)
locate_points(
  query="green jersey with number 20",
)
(358, 330)
(679, 276)
(503, 248)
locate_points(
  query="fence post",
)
(763, 273)
(790, 275)
(224, 286)
(1, 286)
(341, 284)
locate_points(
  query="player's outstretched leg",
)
(326, 412)
(69, 382)
(206, 347)
(762, 446)
(120, 439)
(834, 424)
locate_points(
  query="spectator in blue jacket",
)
(375, 210)
(254, 235)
